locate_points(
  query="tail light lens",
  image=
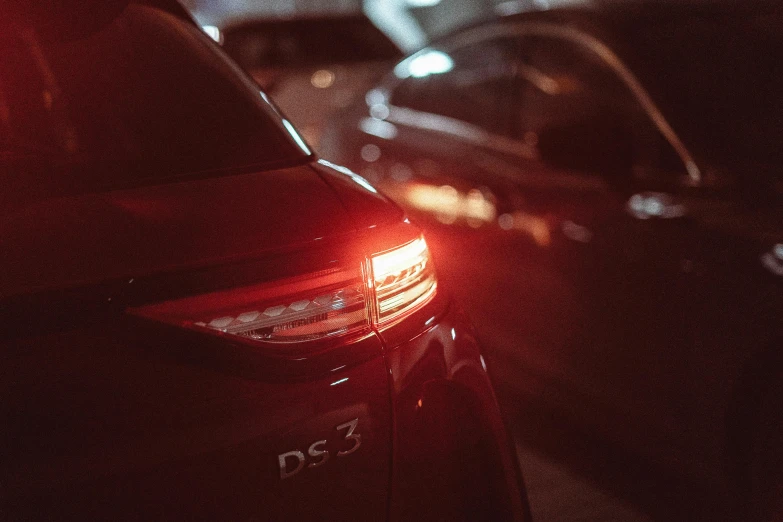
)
(294, 310)
(342, 302)
(403, 280)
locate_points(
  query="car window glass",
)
(307, 43)
(725, 96)
(252, 49)
(111, 107)
(472, 84)
(344, 41)
(571, 92)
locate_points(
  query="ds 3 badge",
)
(292, 462)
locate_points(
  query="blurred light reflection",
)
(213, 32)
(448, 204)
(375, 97)
(296, 137)
(352, 175)
(400, 172)
(506, 221)
(322, 79)
(371, 153)
(424, 64)
(648, 205)
(379, 111)
(534, 226)
(773, 260)
(379, 128)
(576, 232)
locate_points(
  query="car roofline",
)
(583, 37)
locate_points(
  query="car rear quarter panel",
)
(452, 457)
(135, 420)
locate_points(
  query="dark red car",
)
(199, 319)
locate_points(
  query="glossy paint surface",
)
(132, 421)
(126, 233)
(452, 457)
(111, 414)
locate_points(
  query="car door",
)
(617, 341)
(539, 143)
(530, 136)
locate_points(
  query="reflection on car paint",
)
(773, 260)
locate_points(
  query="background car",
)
(311, 66)
(199, 319)
(602, 187)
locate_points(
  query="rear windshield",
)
(142, 98)
(308, 43)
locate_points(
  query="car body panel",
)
(104, 422)
(122, 418)
(447, 434)
(113, 409)
(127, 233)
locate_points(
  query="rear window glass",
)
(144, 97)
(309, 42)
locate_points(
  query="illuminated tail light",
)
(346, 302)
(404, 280)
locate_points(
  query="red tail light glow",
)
(341, 302)
(403, 280)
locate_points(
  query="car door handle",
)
(655, 205)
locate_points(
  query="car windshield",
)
(718, 79)
(142, 98)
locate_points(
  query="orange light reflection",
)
(448, 204)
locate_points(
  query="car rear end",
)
(262, 338)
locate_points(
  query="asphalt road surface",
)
(556, 493)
